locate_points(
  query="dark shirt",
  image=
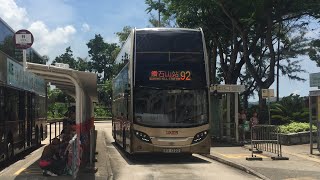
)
(50, 152)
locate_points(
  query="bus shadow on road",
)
(34, 172)
(18, 157)
(158, 158)
(31, 172)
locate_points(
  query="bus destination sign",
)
(170, 76)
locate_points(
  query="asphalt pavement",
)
(301, 165)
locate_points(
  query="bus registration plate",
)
(172, 150)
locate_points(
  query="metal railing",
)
(265, 138)
(57, 123)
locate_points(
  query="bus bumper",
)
(203, 147)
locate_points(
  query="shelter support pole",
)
(310, 121)
(236, 118)
(228, 125)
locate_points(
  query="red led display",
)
(170, 76)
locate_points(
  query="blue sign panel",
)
(21, 79)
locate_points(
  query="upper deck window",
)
(177, 41)
(170, 58)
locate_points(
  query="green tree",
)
(123, 35)
(255, 21)
(66, 58)
(58, 103)
(105, 93)
(82, 64)
(102, 56)
(246, 32)
(291, 108)
(314, 51)
(160, 7)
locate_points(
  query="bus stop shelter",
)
(82, 86)
(224, 111)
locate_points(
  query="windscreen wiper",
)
(150, 87)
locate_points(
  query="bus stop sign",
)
(23, 39)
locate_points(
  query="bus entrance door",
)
(2, 128)
(29, 120)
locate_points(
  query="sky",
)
(57, 24)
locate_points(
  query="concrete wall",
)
(295, 138)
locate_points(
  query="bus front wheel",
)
(37, 140)
(9, 148)
(114, 133)
(124, 139)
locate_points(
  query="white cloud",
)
(15, 16)
(47, 40)
(85, 27)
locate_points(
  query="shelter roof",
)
(60, 77)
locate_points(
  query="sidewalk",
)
(32, 171)
(300, 165)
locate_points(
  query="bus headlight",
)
(142, 136)
(199, 136)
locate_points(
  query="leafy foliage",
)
(66, 58)
(123, 35)
(295, 127)
(82, 64)
(102, 56)
(246, 32)
(105, 93)
(289, 109)
(314, 51)
(101, 111)
(58, 103)
(57, 110)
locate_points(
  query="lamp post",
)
(159, 13)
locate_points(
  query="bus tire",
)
(37, 137)
(124, 139)
(10, 152)
(41, 133)
(114, 134)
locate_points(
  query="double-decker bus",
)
(22, 108)
(161, 95)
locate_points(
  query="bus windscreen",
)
(170, 59)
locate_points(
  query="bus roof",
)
(168, 29)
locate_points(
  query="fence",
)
(265, 138)
(76, 147)
(55, 122)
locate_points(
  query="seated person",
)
(66, 135)
(50, 161)
(70, 116)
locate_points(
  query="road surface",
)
(113, 163)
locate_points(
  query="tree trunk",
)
(214, 64)
(263, 110)
(245, 101)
